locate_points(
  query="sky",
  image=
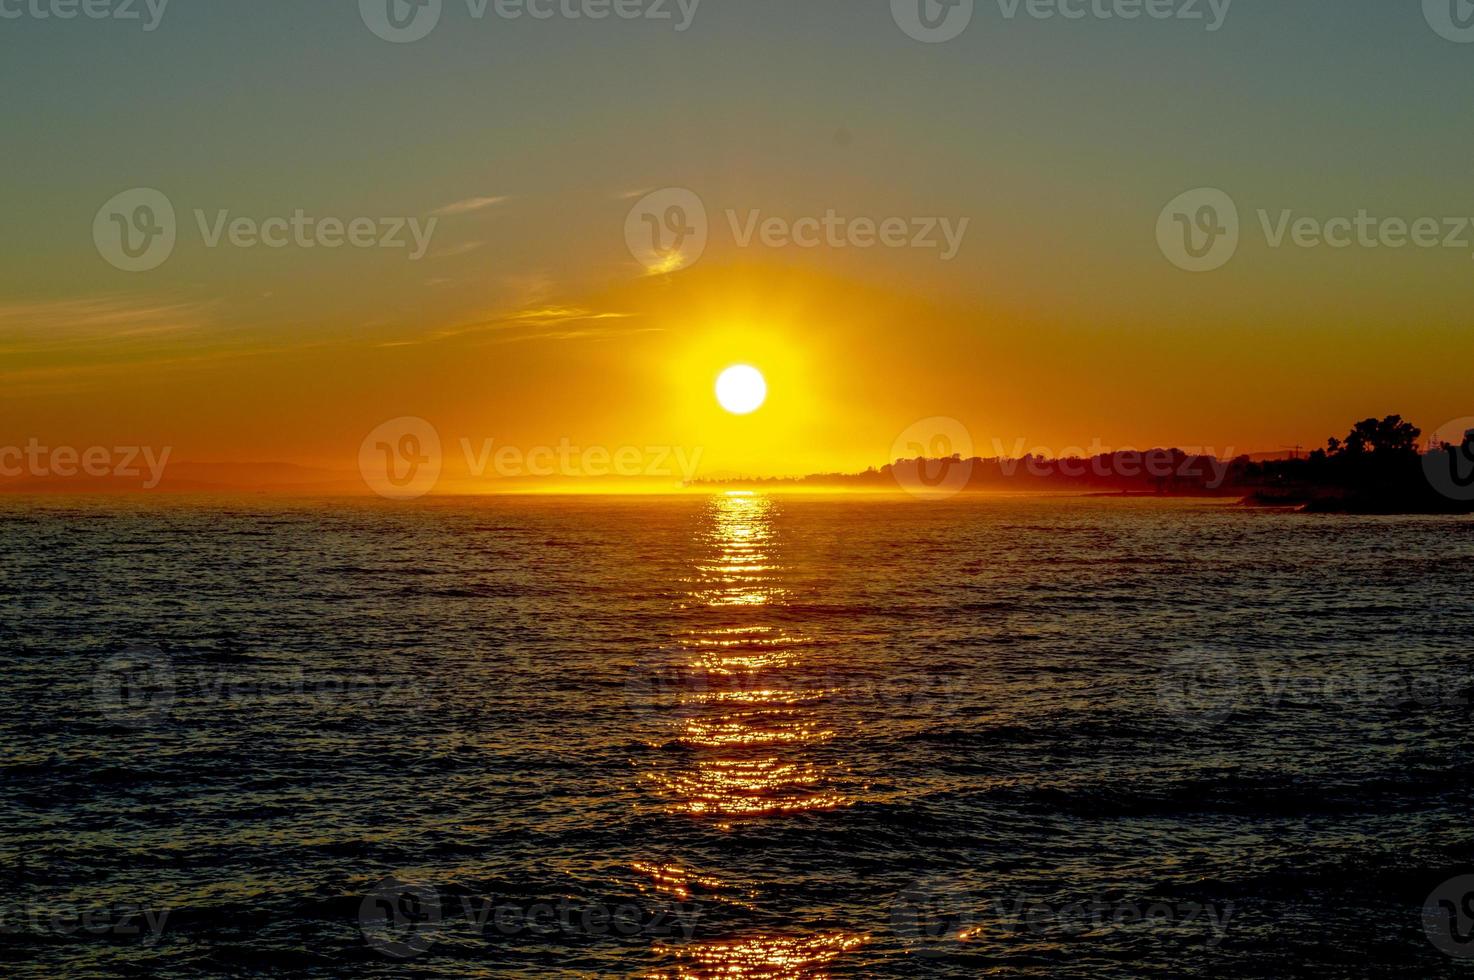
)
(522, 150)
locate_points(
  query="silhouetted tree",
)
(1390, 436)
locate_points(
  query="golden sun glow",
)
(742, 389)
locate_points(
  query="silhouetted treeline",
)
(1376, 468)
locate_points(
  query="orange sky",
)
(850, 365)
(1056, 323)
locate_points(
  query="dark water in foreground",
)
(737, 736)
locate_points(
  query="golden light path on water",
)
(750, 720)
(749, 726)
(769, 957)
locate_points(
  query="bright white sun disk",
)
(742, 390)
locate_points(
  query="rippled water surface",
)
(735, 736)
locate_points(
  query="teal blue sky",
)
(1040, 129)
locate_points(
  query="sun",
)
(742, 389)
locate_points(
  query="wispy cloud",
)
(57, 325)
(536, 323)
(561, 314)
(468, 205)
(60, 346)
(454, 250)
(50, 379)
(567, 333)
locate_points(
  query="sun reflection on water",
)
(770, 958)
(753, 719)
(753, 727)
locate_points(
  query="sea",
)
(734, 735)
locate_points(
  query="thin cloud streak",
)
(454, 250)
(536, 323)
(469, 205)
(93, 325)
